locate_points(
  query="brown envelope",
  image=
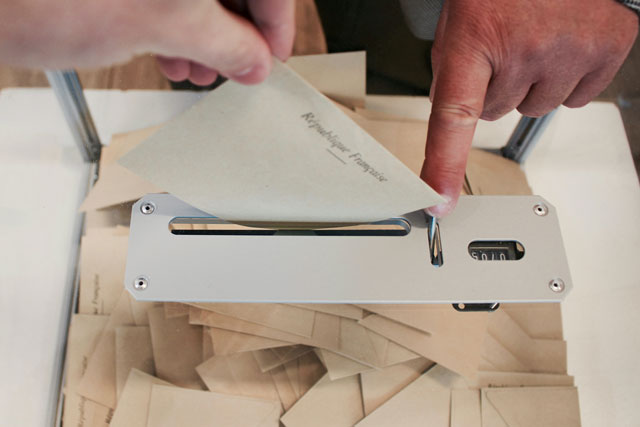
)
(177, 348)
(424, 402)
(237, 374)
(109, 217)
(348, 86)
(530, 407)
(117, 184)
(378, 386)
(342, 310)
(390, 352)
(270, 358)
(207, 343)
(133, 351)
(443, 346)
(486, 379)
(99, 380)
(404, 139)
(84, 333)
(328, 403)
(103, 256)
(295, 320)
(139, 310)
(172, 406)
(509, 348)
(284, 386)
(340, 366)
(304, 372)
(82, 412)
(175, 309)
(133, 405)
(229, 342)
(538, 320)
(341, 335)
(465, 408)
(491, 174)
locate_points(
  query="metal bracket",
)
(218, 262)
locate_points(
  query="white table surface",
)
(582, 165)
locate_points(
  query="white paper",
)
(277, 152)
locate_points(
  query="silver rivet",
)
(556, 285)
(140, 283)
(541, 209)
(147, 208)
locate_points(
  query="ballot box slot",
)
(212, 226)
(435, 243)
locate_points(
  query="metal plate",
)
(162, 266)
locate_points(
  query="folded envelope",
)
(172, 406)
(530, 407)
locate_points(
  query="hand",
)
(211, 38)
(273, 18)
(491, 57)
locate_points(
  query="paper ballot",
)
(278, 152)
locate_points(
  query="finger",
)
(276, 21)
(435, 48)
(505, 93)
(457, 105)
(175, 69)
(201, 75)
(546, 95)
(591, 85)
(219, 39)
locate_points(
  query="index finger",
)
(457, 105)
(276, 21)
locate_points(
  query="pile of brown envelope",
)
(219, 364)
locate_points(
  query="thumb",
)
(219, 39)
(457, 104)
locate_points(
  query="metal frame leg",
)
(66, 85)
(525, 136)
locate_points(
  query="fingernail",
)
(442, 209)
(245, 71)
(251, 75)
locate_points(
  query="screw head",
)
(147, 208)
(140, 283)
(541, 209)
(556, 285)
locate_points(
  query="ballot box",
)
(78, 349)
